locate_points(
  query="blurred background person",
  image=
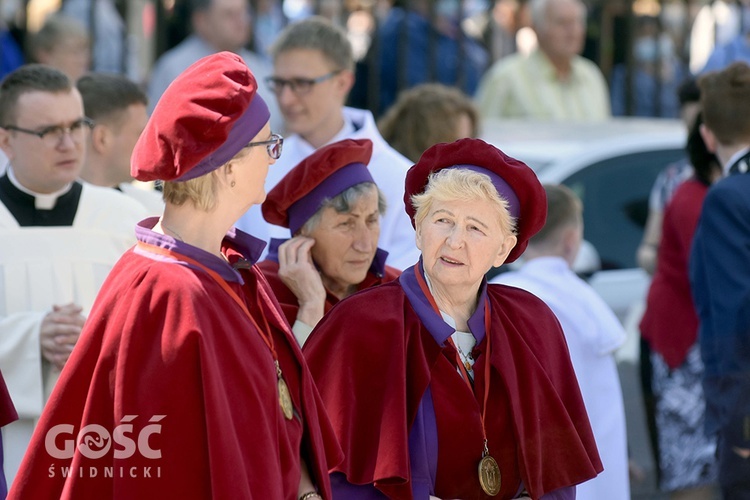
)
(737, 49)
(118, 108)
(553, 82)
(668, 179)
(687, 457)
(113, 50)
(592, 331)
(717, 23)
(655, 75)
(216, 25)
(426, 115)
(313, 74)
(11, 54)
(332, 208)
(419, 42)
(440, 362)
(63, 43)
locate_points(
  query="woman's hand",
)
(298, 273)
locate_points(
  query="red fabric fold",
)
(164, 339)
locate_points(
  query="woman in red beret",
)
(332, 208)
(439, 385)
(187, 381)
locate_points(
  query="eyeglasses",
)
(273, 145)
(299, 86)
(53, 135)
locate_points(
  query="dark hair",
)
(704, 162)
(688, 91)
(28, 78)
(107, 95)
(725, 101)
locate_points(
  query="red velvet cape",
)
(372, 360)
(166, 339)
(289, 302)
(670, 322)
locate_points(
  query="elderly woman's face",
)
(345, 243)
(460, 241)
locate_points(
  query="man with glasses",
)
(313, 74)
(58, 239)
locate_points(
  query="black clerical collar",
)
(23, 206)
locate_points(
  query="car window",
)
(615, 199)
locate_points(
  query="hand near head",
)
(59, 333)
(297, 271)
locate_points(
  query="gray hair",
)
(540, 10)
(342, 203)
(316, 33)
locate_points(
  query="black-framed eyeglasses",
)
(273, 145)
(53, 135)
(299, 86)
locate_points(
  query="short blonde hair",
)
(461, 184)
(202, 191)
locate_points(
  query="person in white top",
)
(60, 238)
(313, 74)
(591, 329)
(118, 108)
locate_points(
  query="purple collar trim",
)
(439, 329)
(503, 188)
(248, 246)
(242, 132)
(301, 210)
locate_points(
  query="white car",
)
(611, 166)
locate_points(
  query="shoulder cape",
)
(371, 358)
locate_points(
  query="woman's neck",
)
(458, 303)
(204, 230)
(338, 290)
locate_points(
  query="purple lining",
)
(301, 210)
(503, 188)
(249, 246)
(242, 132)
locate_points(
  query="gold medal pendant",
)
(285, 399)
(489, 475)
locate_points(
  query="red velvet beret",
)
(513, 179)
(204, 118)
(326, 173)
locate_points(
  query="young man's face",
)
(48, 164)
(312, 110)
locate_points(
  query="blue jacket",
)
(720, 281)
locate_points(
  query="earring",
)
(232, 184)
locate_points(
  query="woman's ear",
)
(509, 243)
